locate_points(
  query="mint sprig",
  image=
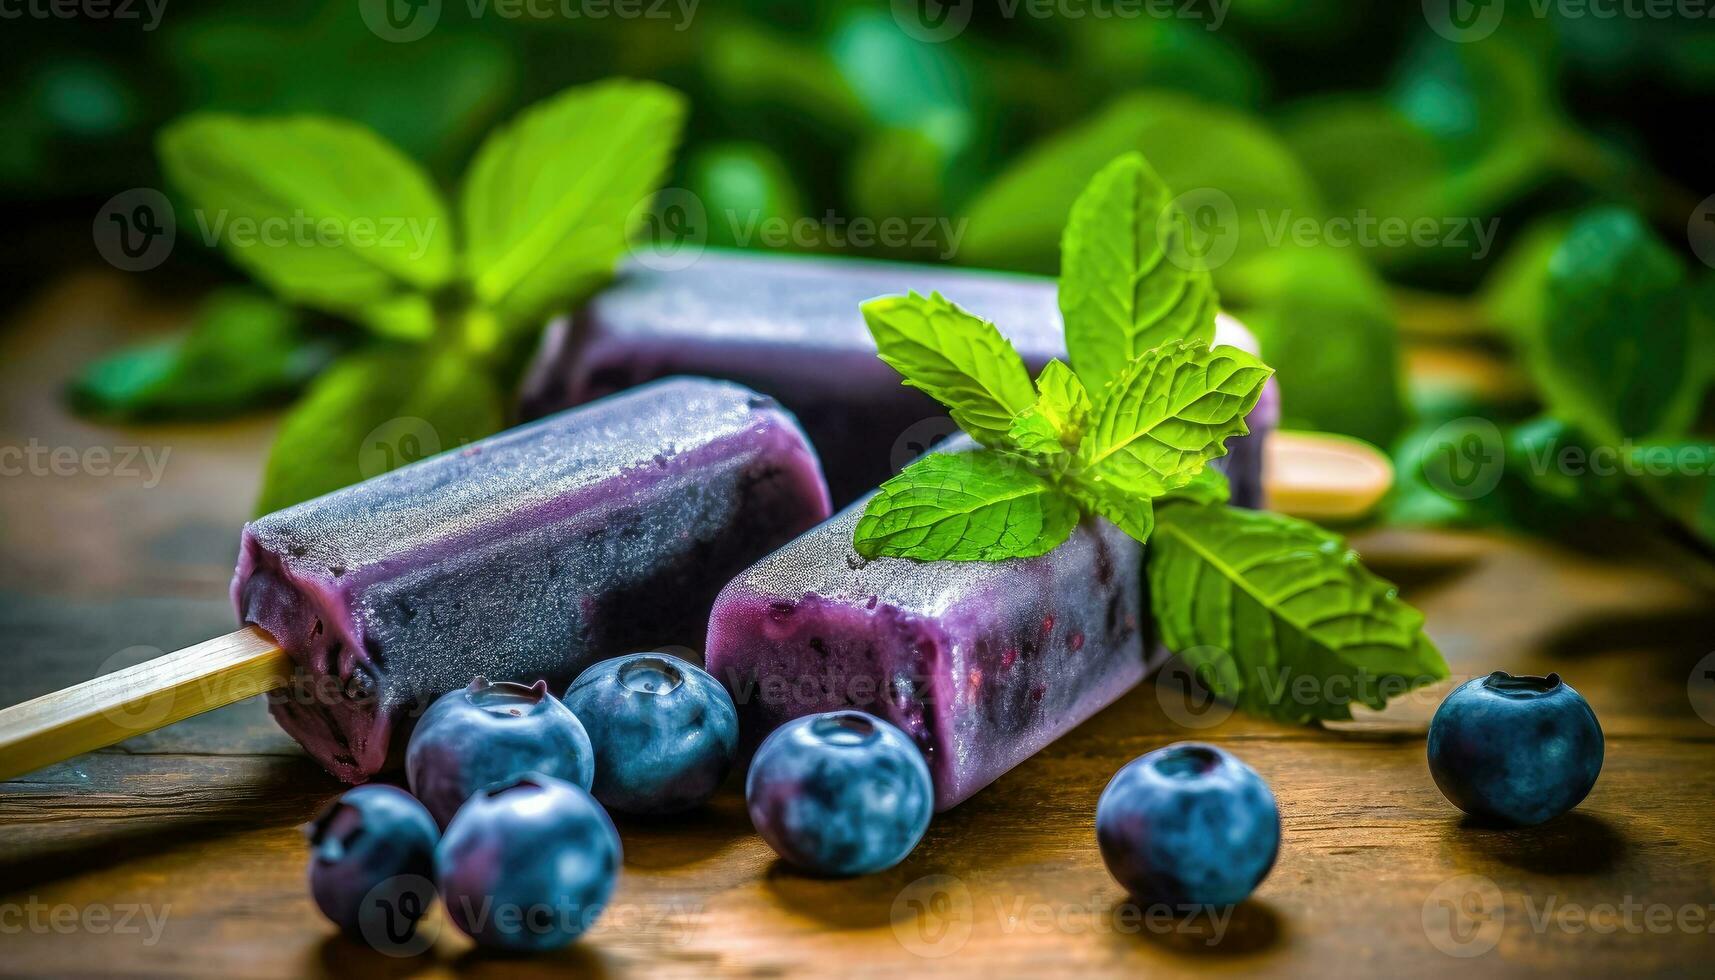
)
(1256, 603)
(1145, 405)
(546, 210)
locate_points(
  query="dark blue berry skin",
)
(528, 865)
(841, 793)
(1188, 825)
(664, 732)
(1515, 750)
(490, 733)
(371, 857)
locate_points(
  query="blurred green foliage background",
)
(1284, 109)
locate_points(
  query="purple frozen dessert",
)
(790, 327)
(980, 663)
(528, 555)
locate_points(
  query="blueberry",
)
(490, 733)
(1188, 825)
(1515, 750)
(528, 865)
(664, 732)
(371, 855)
(841, 793)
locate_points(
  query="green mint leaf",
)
(322, 211)
(1209, 486)
(1255, 603)
(1613, 353)
(1169, 413)
(1054, 424)
(407, 316)
(1133, 513)
(244, 350)
(956, 358)
(1325, 319)
(373, 411)
(976, 506)
(552, 198)
(1129, 281)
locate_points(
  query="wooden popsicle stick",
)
(138, 699)
(1323, 477)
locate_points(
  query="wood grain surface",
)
(178, 852)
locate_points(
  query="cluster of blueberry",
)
(507, 778)
(506, 819)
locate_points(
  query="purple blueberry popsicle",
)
(527, 555)
(790, 327)
(981, 663)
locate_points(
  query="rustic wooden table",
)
(178, 852)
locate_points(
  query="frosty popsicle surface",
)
(790, 326)
(523, 556)
(981, 663)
